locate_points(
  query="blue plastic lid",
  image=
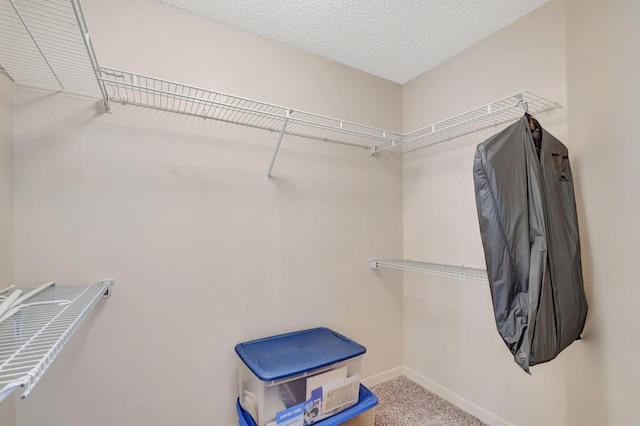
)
(276, 357)
(366, 401)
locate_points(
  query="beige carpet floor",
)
(405, 403)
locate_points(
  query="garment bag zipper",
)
(545, 207)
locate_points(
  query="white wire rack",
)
(141, 90)
(135, 89)
(45, 43)
(461, 273)
(509, 108)
(33, 337)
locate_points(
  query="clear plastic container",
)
(298, 378)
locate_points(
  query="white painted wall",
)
(170, 205)
(580, 54)
(7, 414)
(205, 253)
(603, 86)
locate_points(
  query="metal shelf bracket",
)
(275, 154)
(109, 282)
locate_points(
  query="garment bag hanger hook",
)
(522, 102)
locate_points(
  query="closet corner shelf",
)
(504, 110)
(135, 89)
(461, 273)
(33, 337)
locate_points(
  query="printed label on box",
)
(312, 410)
(327, 394)
(335, 393)
(337, 376)
(292, 416)
(336, 398)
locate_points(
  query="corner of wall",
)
(7, 406)
(454, 398)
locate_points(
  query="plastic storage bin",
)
(360, 414)
(298, 378)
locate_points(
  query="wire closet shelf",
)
(135, 89)
(504, 110)
(461, 273)
(46, 44)
(32, 338)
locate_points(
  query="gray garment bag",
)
(529, 229)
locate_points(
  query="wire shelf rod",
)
(457, 125)
(62, 51)
(189, 99)
(193, 115)
(44, 43)
(471, 111)
(31, 61)
(53, 17)
(459, 131)
(53, 26)
(235, 109)
(473, 129)
(36, 324)
(36, 22)
(461, 273)
(95, 66)
(35, 42)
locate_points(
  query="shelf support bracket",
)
(109, 282)
(275, 154)
(86, 38)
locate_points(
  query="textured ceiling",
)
(393, 39)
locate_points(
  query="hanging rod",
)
(45, 43)
(509, 108)
(34, 335)
(461, 273)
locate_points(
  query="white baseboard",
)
(383, 377)
(457, 400)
